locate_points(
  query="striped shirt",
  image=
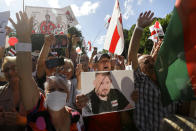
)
(149, 109)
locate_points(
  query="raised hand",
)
(81, 101)
(79, 69)
(145, 19)
(49, 39)
(23, 27)
(155, 49)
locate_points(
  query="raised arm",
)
(143, 21)
(28, 88)
(41, 69)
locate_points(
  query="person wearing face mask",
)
(67, 71)
(51, 112)
(46, 112)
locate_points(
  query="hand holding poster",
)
(107, 91)
(51, 20)
(3, 22)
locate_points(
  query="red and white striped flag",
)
(12, 52)
(114, 41)
(89, 46)
(78, 50)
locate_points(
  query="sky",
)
(93, 14)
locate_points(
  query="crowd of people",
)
(43, 93)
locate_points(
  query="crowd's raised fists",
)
(145, 19)
(23, 26)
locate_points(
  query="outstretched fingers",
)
(145, 14)
(18, 18)
(13, 23)
(141, 14)
(148, 13)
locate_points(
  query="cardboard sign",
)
(51, 20)
(107, 91)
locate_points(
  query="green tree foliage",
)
(103, 51)
(145, 43)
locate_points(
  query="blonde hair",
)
(8, 60)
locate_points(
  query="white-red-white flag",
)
(78, 50)
(159, 29)
(154, 35)
(89, 46)
(12, 52)
(114, 41)
(156, 30)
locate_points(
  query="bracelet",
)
(26, 47)
(140, 28)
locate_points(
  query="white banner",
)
(51, 20)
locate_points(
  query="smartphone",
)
(54, 62)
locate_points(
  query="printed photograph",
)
(107, 91)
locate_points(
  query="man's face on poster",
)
(102, 85)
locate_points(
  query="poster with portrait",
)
(107, 91)
(51, 20)
(3, 22)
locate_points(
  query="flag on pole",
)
(89, 46)
(78, 50)
(176, 62)
(12, 52)
(114, 41)
(156, 30)
(107, 23)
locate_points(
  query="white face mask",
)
(55, 100)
